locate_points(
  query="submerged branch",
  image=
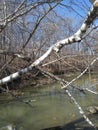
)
(80, 110)
(63, 82)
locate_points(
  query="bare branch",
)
(37, 24)
(81, 73)
(76, 37)
(63, 82)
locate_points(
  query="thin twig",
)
(73, 80)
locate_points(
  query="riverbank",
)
(36, 78)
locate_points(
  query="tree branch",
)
(56, 47)
(77, 37)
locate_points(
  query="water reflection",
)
(50, 107)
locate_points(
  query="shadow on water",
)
(79, 124)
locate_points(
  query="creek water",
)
(49, 106)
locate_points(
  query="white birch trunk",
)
(77, 37)
(92, 14)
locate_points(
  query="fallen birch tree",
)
(77, 37)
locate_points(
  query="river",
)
(46, 107)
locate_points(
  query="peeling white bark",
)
(77, 37)
(56, 47)
(25, 70)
